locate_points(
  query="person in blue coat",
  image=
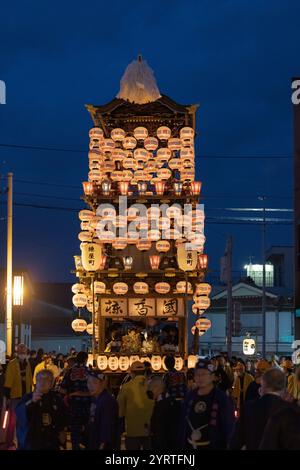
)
(103, 425)
(208, 419)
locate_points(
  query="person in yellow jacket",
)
(17, 382)
(136, 409)
(241, 383)
(46, 364)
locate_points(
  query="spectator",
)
(282, 431)
(208, 413)
(47, 363)
(135, 409)
(254, 416)
(164, 424)
(252, 392)
(241, 383)
(41, 416)
(103, 427)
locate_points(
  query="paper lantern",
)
(178, 363)
(120, 288)
(113, 363)
(202, 261)
(106, 236)
(118, 134)
(108, 213)
(182, 287)
(89, 329)
(160, 188)
(153, 212)
(174, 143)
(108, 166)
(91, 256)
(119, 245)
(196, 310)
(192, 361)
(124, 363)
(123, 187)
(163, 154)
(151, 165)
(86, 236)
(141, 154)
(156, 363)
(174, 212)
(151, 143)
(187, 259)
(88, 188)
(79, 325)
(154, 235)
(187, 133)
(249, 346)
(99, 287)
(79, 300)
(90, 306)
(96, 133)
(85, 225)
(187, 174)
(143, 223)
(202, 302)
(77, 288)
(162, 287)
(154, 261)
(163, 246)
(95, 176)
(163, 133)
(143, 245)
(108, 145)
(174, 163)
(130, 163)
(129, 143)
(164, 223)
(141, 288)
(102, 362)
(117, 175)
(140, 133)
(86, 215)
(195, 188)
(203, 324)
(187, 153)
(164, 173)
(133, 359)
(203, 289)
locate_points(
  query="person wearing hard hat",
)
(135, 409)
(252, 392)
(17, 383)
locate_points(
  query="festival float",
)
(142, 264)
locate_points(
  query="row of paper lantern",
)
(123, 363)
(161, 156)
(133, 212)
(97, 176)
(134, 237)
(130, 162)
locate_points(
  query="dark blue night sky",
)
(235, 58)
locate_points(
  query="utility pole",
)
(9, 319)
(229, 295)
(263, 305)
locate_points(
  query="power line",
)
(212, 156)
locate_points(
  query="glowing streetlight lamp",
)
(18, 290)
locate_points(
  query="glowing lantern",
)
(120, 288)
(163, 133)
(89, 329)
(162, 246)
(202, 261)
(196, 188)
(151, 165)
(174, 212)
(162, 287)
(163, 154)
(129, 143)
(249, 346)
(113, 363)
(156, 363)
(108, 145)
(141, 154)
(123, 187)
(102, 362)
(192, 361)
(177, 188)
(174, 144)
(187, 174)
(164, 173)
(88, 188)
(143, 245)
(77, 288)
(174, 163)
(118, 155)
(178, 363)
(153, 213)
(160, 188)
(196, 310)
(133, 359)
(117, 175)
(123, 363)
(108, 166)
(182, 287)
(164, 223)
(187, 135)
(140, 133)
(154, 235)
(119, 245)
(79, 300)
(154, 261)
(203, 289)
(187, 153)
(151, 143)
(95, 176)
(187, 259)
(86, 215)
(130, 163)
(79, 325)
(99, 287)
(141, 288)
(118, 134)
(203, 324)
(202, 302)
(85, 225)
(91, 256)
(106, 187)
(127, 260)
(96, 133)
(92, 306)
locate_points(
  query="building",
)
(247, 301)
(296, 107)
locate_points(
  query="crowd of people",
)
(220, 404)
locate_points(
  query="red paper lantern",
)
(160, 187)
(195, 188)
(123, 187)
(202, 261)
(154, 261)
(88, 188)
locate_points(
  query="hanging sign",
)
(142, 307)
(113, 307)
(187, 259)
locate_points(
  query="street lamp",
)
(18, 290)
